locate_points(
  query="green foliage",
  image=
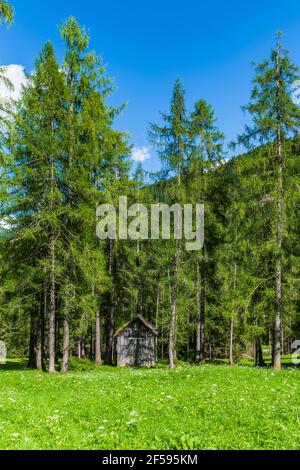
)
(77, 364)
(271, 102)
(6, 12)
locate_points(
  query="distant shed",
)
(136, 343)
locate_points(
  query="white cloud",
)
(4, 225)
(16, 74)
(140, 154)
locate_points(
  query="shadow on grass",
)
(286, 362)
(14, 364)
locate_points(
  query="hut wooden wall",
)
(136, 346)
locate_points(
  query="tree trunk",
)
(270, 342)
(91, 343)
(57, 340)
(277, 323)
(83, 351)
(79, 348)
(110, 328)
(66, 345)
(156, 322)
(98, 358)
(52, 313)
(231, 355)
(171, 337)
(258, 358)
(46, 322)
(200, 353)
(110, 323)
(276, 356)
(40, 341)
(173, 326)
(231, 339)
(188, 340)
(32, 362)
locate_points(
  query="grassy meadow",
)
(212, 406)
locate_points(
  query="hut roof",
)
(140, 318)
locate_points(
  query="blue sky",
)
(147, 44)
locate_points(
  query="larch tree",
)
(171, 142)
(91, 139)
(34, 211)
(275, 119)
(206, 154)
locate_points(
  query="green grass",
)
(193, 407)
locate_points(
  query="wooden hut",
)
(136, 343)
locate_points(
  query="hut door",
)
(138, 345)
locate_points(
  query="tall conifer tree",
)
(275, 119)
(171, 140)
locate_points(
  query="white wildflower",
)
(132, 421)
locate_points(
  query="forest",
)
(64, 293)
(215, 330)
